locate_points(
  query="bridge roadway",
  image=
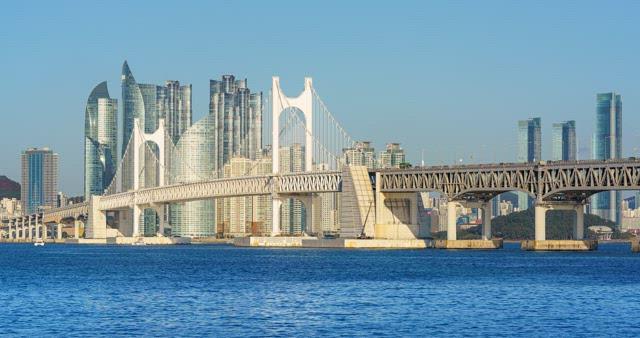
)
(563, 185)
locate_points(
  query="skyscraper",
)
(192, 161)
(564, 141)
(607, 144)
(150, 103)
(238, 117)
(362, 153)
(529, 150)
(39, 179)
(292, 212)
(100, 141)
(392, 157)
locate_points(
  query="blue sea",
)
(223, 291)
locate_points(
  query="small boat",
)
(38, 242)
(140, 241)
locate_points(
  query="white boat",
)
(140, 241)
(38, 242)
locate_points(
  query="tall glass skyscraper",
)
(564, 141)
(193, 162)
(529, 150)
(607, 144)
(39, 179)
(150, 103)
(100, 140)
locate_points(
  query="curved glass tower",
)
(192, 161)
(100, 140)
(132, 107)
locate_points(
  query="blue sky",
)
(449, 77)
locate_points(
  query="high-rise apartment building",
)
(362, 153)
(39, 179)
(564, 141)
(292, 212)
(529, 150)
(237, 114)
(238, 118)
(100, 141)
(392, 157)
(607, 144)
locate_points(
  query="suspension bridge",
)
(379, 204)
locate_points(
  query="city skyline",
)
(566, 79)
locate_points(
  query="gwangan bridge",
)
(376, 204)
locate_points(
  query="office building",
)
(192, 162)
(100, 141)
(529, 150)
(39, 179)
(564, 141)
(607, 144)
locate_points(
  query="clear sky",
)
(448, 77)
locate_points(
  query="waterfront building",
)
(564, 141)
(10, 207)
(392, 157)
(100, 141)
(150, 103)
(607, 144)
(238, 134)
(292, 212)
(362, 154)
(39, 179)
(192, 162)
(326, 215)
(529, 150)
(238, 118)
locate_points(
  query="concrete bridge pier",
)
(578, 243)
(96, 220)
(276, 203)
(59, 231)
(396, 215)
(37, 226)
(76, 228)
(452, 241)
(30, 228)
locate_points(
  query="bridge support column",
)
(30, 228)
(452, 227)
(37, 225)
(96, 220)
(21, 229)
(540, 222)
(486, 221)
(137, 213)
(275, 215)
(10, 234)
(76, 228)
(59, 230)
(44, 231)
(579, 228)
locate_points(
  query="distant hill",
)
(9, 188)
(520, 225)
